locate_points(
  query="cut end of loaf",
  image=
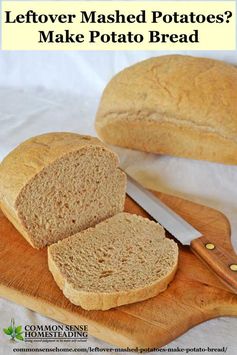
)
(57, 184)
(122, 260)
(77, 191)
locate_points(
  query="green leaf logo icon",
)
(14, 332)
(8, 330)
(18, 329)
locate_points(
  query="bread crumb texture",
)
(57, 184)
(125, 259)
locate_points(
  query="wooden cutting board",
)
(195, 295)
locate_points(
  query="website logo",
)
(47, 333)
(55, 333)
(13, 331)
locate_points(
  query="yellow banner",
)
(118, 25)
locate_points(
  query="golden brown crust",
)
(30, 158)
(170, 139)
(177, 105)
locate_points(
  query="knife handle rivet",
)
(210, 246)
(233, 267)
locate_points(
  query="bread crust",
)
(33, 155)
(170, 139)
(29, 159)
(176, 105)
(104, 301)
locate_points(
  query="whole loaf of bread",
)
(176, 105)
(58, 184)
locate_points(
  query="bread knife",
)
(217, 258)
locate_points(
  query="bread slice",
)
(174, 104)
(57, 184)
(125, 259)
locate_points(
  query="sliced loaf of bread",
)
(57, 184)
(123, 260)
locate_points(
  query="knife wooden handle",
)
(218, 259)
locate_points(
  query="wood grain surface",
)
(194, 296)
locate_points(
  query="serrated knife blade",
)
(170, 220)
(219, 260)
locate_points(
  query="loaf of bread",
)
(57, 184)
(125, 259)
(176, 105)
